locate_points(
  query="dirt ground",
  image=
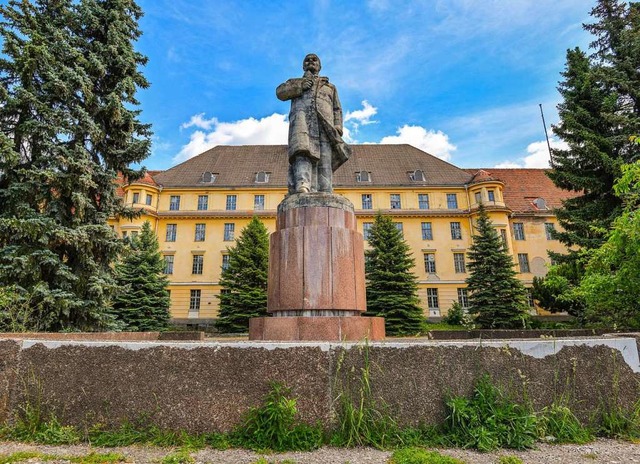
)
(600, 451)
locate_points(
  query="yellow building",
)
(199, 207)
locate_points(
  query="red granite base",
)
(316, 328)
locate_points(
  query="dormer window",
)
(417, 175)
(262, 177)
(363, 176)
(540, 203)
(208, 178)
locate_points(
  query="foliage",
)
(457, 316)
(274, 426)
(611, 285)
(178, 457)
(17, 310)
(489, 420)
(509, 460)
(91, 458)
(363, 420)
(497, 299)
(421, 456)
(599, 114)
(33, 425)
(557, 291)
(143, 302)
(616, 422)
(558, 424)
(68, 124)
(391, 284)
(244, 281)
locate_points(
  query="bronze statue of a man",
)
(316, 148)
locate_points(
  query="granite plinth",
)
(316, 328)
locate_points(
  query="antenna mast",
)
(544, 124)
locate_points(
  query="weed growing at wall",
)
(489, 420)
(35, 456)
(363, 419)
(274, 425)
(33, 425)
(558, 424)
(421, 456)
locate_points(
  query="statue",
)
(316, 148)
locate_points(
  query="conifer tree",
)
(392, 286)
(244, 281)
(497, 299)
(599, 113)
(143, 301)
(68, 76)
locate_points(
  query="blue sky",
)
(461, 79)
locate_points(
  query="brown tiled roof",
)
(236, 166)
(522, 186)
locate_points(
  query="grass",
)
(178, 457)
(421, 456)
(558, 424)
(618, 423)
(91, 458)
(509, 460)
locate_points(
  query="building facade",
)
(199, 207)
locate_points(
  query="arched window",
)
(540, 203)
(363, 176)
(207, 178)
(417, 176)
(262, 177)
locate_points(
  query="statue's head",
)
(311, 63)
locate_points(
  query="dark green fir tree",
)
(392, 286)
(497, 299)
(143, 302)
(244, 280)
(68, 124)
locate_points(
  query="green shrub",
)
(618, 423)
(274, 426)
(457, 316)
(421, 456)
(33, 425)
(509, 460)
(489, 420)
(178, 457)
(558, 424)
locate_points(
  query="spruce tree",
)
(244, 281)
(67, 124)
(599, 113)
(143, 301)
(497, 299)
(392, 286)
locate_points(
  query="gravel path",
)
(600, 451)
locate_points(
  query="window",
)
(198, 261)
(549, 229)
(262, 177)
(258, 202)
(225, 262)
(432, 298)
(427, 231)
(395, 201)
(491, 195)
(423, 201)
(430, 263)
(208, 178)
(366, 229)
(463, 297)
(203, 202)
(174, 203)
(503, 235)
(194, 300)
(231, 202)
(540, 203)
(518, 231)
(229, 229)
(363, 176)
(168, 264)
(136, 197)
(530, 301)
(458, 263)
(400, 227)
(416, 176)
(200, 232)
(149, 199)
(456, 231)
(171, 232)
(367, 201)
(124, 234)
(523, 261)
(452, 201)
(478, 197)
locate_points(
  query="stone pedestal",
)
(316, 274)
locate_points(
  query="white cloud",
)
(433, 142)
(363, 116)
(199, 121)
(270, 130)
(538, 156)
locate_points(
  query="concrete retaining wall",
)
(201, 386)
